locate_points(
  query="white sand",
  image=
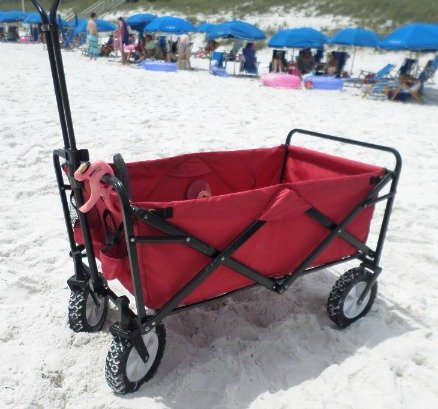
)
(255, 350)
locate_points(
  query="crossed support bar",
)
(224, 257)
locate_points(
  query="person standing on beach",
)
(122, 34)
(92, 37)
(184, 52)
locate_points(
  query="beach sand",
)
(254, 350)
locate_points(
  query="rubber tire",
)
(340, 291)
(116, 360)
(77, 311)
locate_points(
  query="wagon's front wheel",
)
(342, 305)
(125, 371)
(86, 310)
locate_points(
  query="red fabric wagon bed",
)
(245, 187)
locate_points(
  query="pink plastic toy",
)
(93, 173)
(281, 81)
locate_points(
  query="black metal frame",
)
(131, 325)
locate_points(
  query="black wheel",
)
(125, 371)
(342, 306)
(84, 314)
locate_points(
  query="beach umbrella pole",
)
(352, 62)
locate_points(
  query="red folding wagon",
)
(183, 231)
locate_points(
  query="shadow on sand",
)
(229, 353)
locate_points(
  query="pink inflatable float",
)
(281, 81)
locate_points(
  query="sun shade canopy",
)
(102, 25)
(139, 21)
(358, 37)
(304, 37)
(236, 29)
(171, 25)
(12, 16)
(415, 36)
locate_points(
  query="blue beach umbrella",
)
(35, 18)
(139, 21)
(304, 37)
(102, 25)
(413, 37)
(358, 37)
(355, 37)
(205, 27)
(12, 16)
(171, 25)
(236, 29)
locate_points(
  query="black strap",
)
(112, 233)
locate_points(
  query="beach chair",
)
(368, 77)
(380, 88)
(403, 91)
(249, 63)
(432, 68)
(319, 55)
(407, 87)
(218, 64)
(407, 68)
(278, 60)
(217, 59)
(341, 57)
(232, 54)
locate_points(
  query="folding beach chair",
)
(407, 68)
(249, 60)
(218, 59)
(341, 57)
(368, 77)
(380, 88)
(279, 57)
(218, 64)
(407, 87)
(232, 54)
(432, 70)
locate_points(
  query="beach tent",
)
(304, 37)
(139, 21)
(236, 29)
(12, 16)
(413, 37)
(102, 25)
(355, 37)
(171, 25)
(205, 27)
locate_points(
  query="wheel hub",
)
(136, 369)
(351, 308)
(93, 311)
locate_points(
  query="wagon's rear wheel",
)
(125, 371)
(86, 310)
(342, 305)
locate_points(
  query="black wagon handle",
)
(398, 159)
(43, 13)
(50, 28)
